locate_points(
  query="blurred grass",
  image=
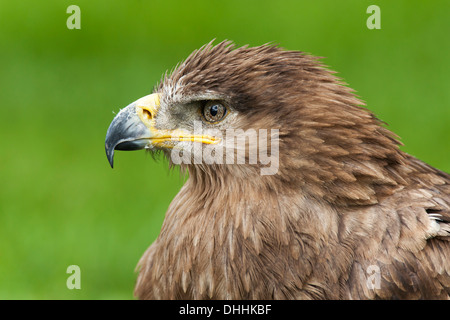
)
(61, 204)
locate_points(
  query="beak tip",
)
(127, 131)
(110, 156)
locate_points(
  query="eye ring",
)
(214, 111)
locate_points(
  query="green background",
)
(60, 202)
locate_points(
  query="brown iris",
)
(214, 111)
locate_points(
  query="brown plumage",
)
(348, 215)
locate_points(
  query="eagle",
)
(295, 190)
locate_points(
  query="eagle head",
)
(277, 116)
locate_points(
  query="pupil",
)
(214, 110)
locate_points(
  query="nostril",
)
(147, 114)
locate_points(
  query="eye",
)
(214, 111)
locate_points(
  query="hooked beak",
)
(134, 128)
(131, 128)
